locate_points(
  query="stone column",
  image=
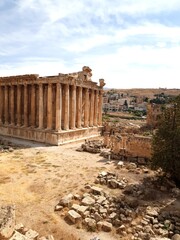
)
(1, 105)
(49, 106)
(95, 108)
(12, 105)
(79, 107)
(58, 107)
(73, 108)
(33, 110)
(41, 107)
(91, 120)
(100, 108)
(19, 105)
(86, 108)
(66, 107)
(6, 110)
(25, 105)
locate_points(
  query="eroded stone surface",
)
(18, 236)
(7, 221)
(88, 201)
(73, 216)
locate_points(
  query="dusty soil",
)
(35, 177)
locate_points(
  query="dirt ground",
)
(35, 177)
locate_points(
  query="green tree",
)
(166, 141)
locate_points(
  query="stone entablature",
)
(51, 109)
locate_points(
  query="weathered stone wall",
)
(129, 145)
(153, 113)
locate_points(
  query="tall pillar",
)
(12, 105)
(41, 108)
(49, 106)
(33, 110)
(6, 110)
(79, 107)
(73, 107)
(100, 108)
(58, 107)
(86, 108)
(91, 119)
(1, 105)
(19, 105)
(25, 105)
(95, 108)
(66, 107)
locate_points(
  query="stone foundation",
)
(50, 137)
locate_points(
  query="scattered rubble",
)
(93, 146)
(6, 146)
(111, 180)
(156, 223)
(97, 210)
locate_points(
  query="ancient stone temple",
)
(54, 109)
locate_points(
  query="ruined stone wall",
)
(129, 145)
(139, 146)
(153, 113)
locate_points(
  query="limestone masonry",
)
(54, 109)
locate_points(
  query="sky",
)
(128, 43)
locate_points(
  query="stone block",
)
(31, 234)
(7, 221)
(82, 209)
(73, 216)
(19, 227)
(113, 183)
(101, 199)
(75, 207)
(151, 212)
(18, 236)
(96, 190)
(90, 223)
(88, 201)
(176, 237)
(106, 226)
(66, 200)
(120, 164)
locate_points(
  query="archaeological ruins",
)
(54, 109)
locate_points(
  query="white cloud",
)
(56, 9)
(137, 67)
(43, 67)
(94, 33)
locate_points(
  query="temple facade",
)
(54, 109)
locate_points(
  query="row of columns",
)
(50, 106)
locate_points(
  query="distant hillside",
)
(148, 92)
